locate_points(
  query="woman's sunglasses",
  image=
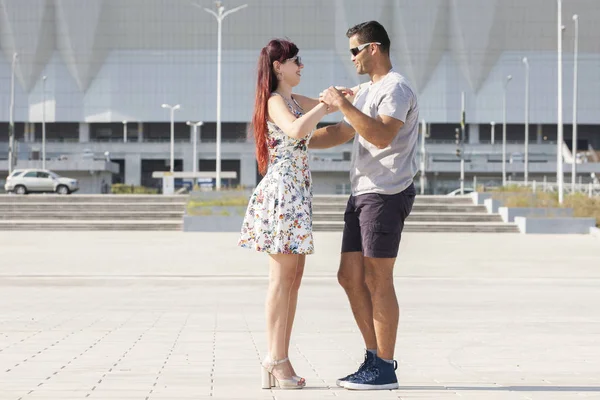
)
(296, 59)
(355, 50)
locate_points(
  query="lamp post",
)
(462, 143)
(172, 110)
(12, 155)
(219, 15)
(526, 166)
(560, 138)
(124, 131)
(575, 56)
(44, 122)
(423, 177)
(508, 79)
(195, 128)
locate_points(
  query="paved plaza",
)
(169, 315)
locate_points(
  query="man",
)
(384, 118)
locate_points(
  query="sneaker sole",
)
(363, 386)
(340, 383)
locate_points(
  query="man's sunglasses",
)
(296, 59)
(354, 51)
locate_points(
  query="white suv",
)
(23, 181)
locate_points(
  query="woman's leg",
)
(284, 277)
(293, 304)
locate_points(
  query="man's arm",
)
(380, 131)
(331, 136)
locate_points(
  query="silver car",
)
(23, 181)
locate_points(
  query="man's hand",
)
(333, 97)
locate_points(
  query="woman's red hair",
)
(276, 50)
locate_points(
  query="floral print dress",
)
(279, 215)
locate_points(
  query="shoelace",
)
(369, 373)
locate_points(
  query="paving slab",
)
(168, 315)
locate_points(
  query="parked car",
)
(457, 192)
(23, 181)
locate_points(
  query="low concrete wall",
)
(479, 198)
(212, 223)
(492, 205)
(508, 214)
(530, 225)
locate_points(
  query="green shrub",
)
(518, 196)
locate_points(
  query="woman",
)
(278, 220)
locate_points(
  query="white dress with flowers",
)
(279, 215)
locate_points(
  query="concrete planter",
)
(215, 218)
(212, 223)
(492, 205)
(509, 214)
(530, 225)
(479, 198)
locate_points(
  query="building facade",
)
(110, 64)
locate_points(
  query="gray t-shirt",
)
(389, 170)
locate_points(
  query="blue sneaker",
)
(369, 359)
(380, 375)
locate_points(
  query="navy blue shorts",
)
(373, 223)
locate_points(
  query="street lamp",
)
(172, 109)
(195, 127)
(12, 156)
(493, 133)
(575, 56)
(559, 130)
(508, 78)
(44, 122)
(423, 177)
(220, 15)
(526, 119)
(124, 131)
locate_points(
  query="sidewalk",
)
(150, 315)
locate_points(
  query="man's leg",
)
(351, 276)
(380, 281)
(381, 221)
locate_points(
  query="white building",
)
(110, 61)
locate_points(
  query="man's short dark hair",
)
(371, 31)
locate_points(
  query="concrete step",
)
(92, 198)
(422, 217)
(343, 199)
(93, 225)
(409, 226)
(422, 207)
(56, 207)
(92, 215)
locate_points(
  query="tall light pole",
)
(12, 155)
(462, 143)
(124, 131)
(493, 133)
(220, 15)
(44, 122)
(508, 78)
(172, 109)
(423, 177)
(559, 130)
(195, 127)
(575, 56)
(526, 62)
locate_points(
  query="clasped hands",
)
(334, 97)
